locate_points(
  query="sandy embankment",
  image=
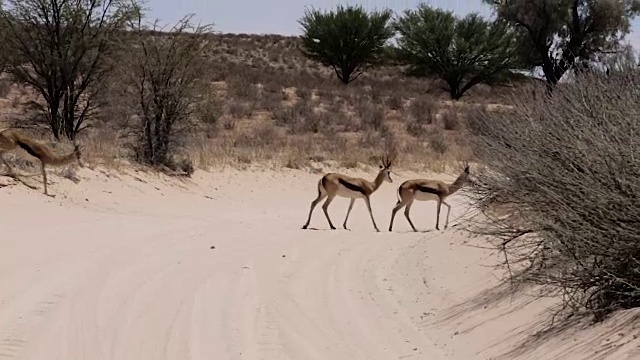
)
(122, 268)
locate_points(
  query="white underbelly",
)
(423, 196)
(348, 193)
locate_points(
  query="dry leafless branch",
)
(560, 189)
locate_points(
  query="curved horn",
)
(385, 160)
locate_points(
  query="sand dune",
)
(137, 266)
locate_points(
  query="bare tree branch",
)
(559, 191)
(165, 77)
(59, 48)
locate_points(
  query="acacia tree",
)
(164, 71)
(349, 39)
(59, 48)
(463, 52)
(558, 35)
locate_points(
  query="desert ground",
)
(135, 265)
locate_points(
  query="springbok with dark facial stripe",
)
(332, 185)
(427, 190)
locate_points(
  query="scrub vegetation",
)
(557, 156)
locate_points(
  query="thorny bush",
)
(166, 77)
(560, 190)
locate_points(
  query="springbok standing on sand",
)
(11, 139)
(427, 190)
(332, 185)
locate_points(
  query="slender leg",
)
(4, 161)
(348, 212)
(366, 200)
(44, 179)
(448, 212)
(438, 214)
(399, 205)
(14, 175)
(325, 206)
(407, 209)
(313, 205)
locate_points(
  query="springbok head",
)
(385, 167)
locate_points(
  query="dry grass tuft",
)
(450, 119)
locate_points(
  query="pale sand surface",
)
(121, 267)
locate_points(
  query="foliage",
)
(59, 49)
(625, 60)
(349, 39)
(560, 189)
(560, 35)
(165, 75)
(462, 52)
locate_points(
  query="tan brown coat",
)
(12, 139)
(332, 185)
(427, 190)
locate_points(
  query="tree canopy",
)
(463, 52)
(560, 34)
(164, 77)
(348, 39)
(59, 49)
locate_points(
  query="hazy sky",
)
(281, 16)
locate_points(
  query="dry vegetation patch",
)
(563, 172)
(267, 103)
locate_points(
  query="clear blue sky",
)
(281, 16)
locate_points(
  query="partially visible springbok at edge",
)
(427, 190)
(11, 139)
(332, 185)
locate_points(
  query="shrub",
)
(241, 88)
(209, 110)
(239, 110)
(165, 79)
(563, 171)
(423, 109)
(395, 102)
(450, 119)
(371, 116)
(298, 118)
(438, 142)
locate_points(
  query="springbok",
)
(427, 190)
(332, 185)
(11, 139)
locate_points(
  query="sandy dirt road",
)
(140, 268)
